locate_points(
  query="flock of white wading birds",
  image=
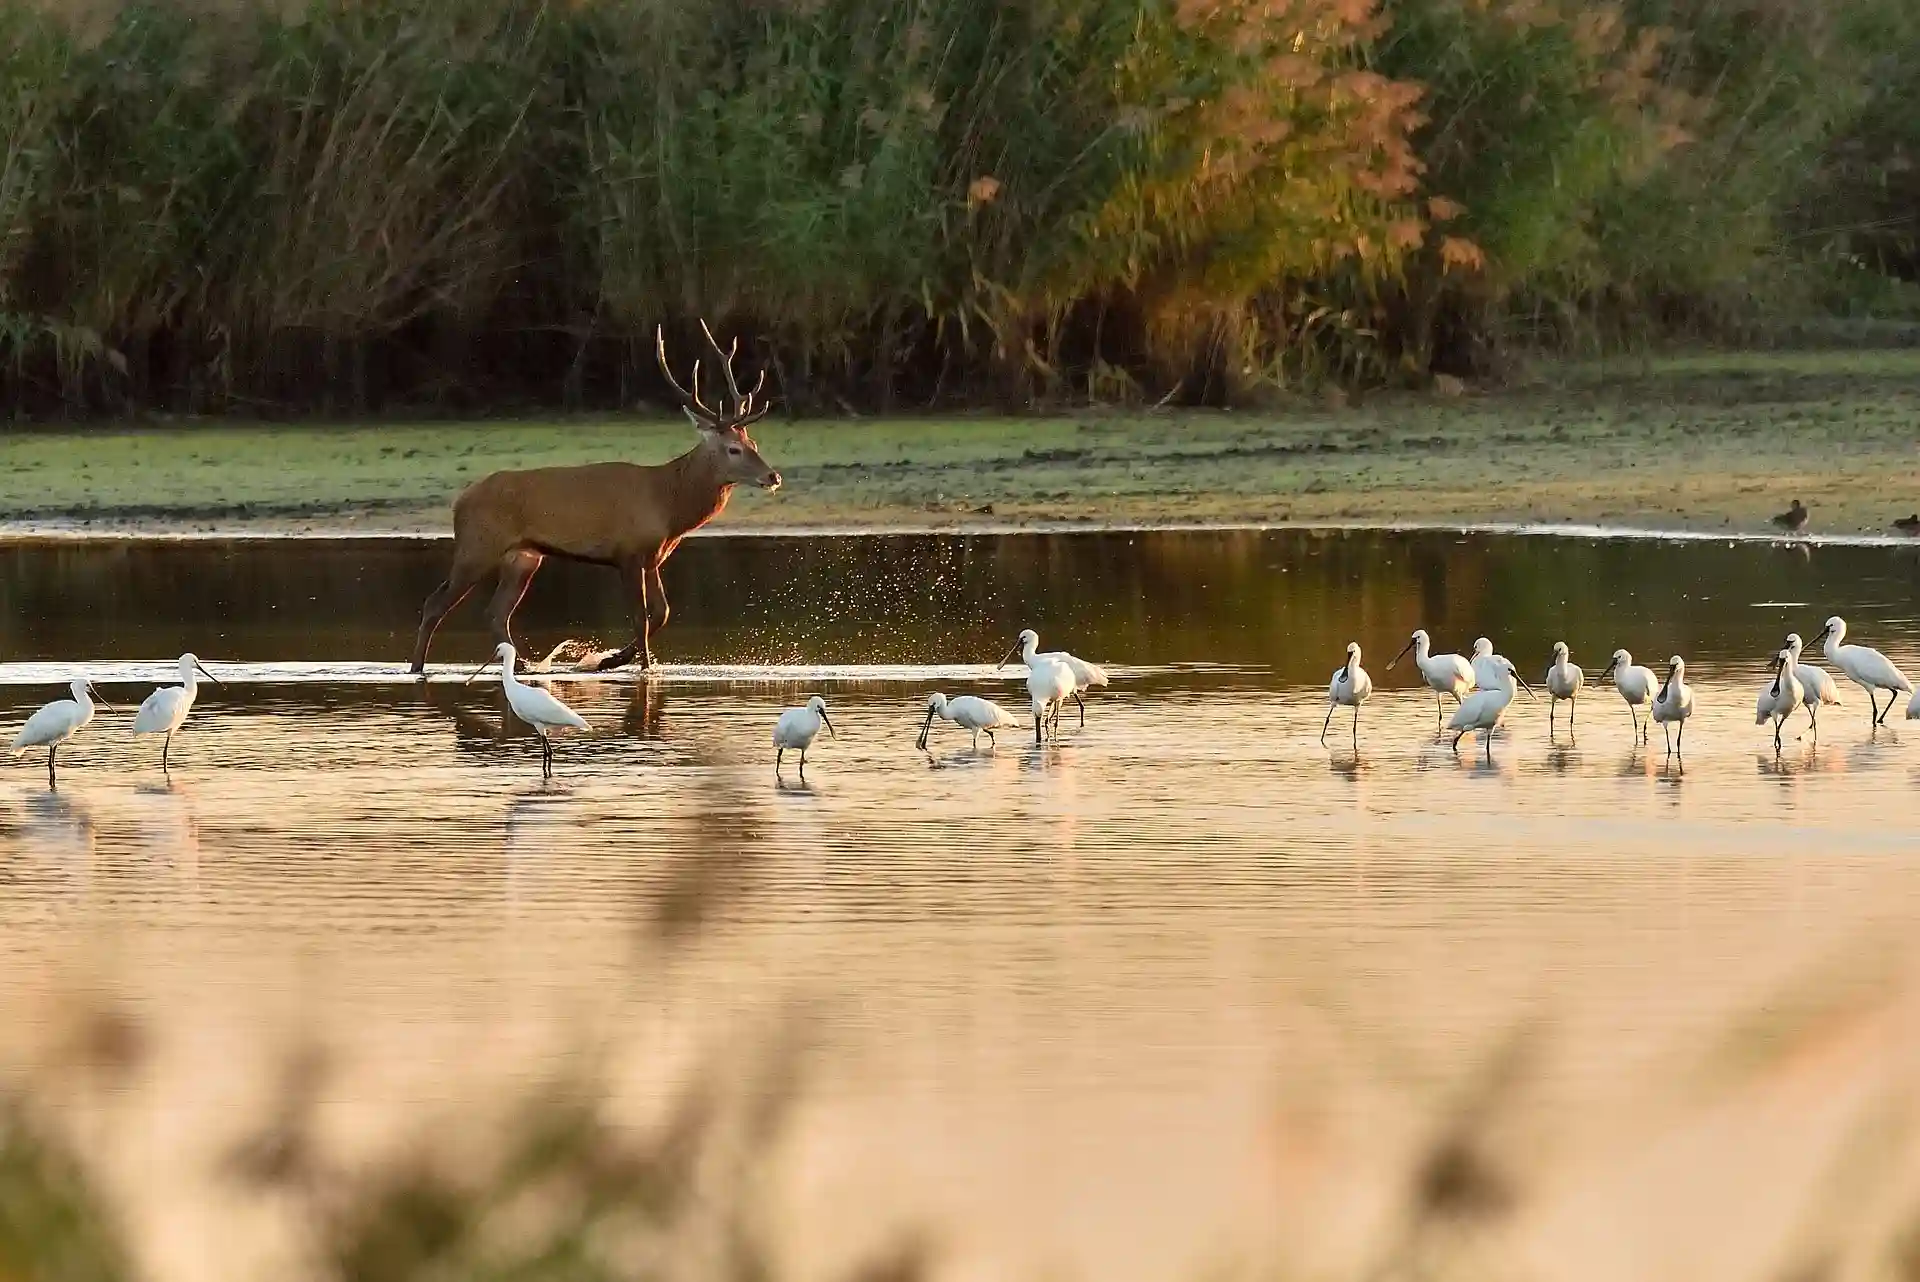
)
(1483, 687)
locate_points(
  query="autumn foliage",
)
(347, 205)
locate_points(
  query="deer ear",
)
(698, 422)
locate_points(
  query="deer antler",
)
(742, 412)
(726, 364)
(758, 384)
(690, 401)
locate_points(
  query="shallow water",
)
(1067, 987)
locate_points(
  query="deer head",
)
(723, 425)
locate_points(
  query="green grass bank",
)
(1711, 443)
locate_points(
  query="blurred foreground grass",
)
(1783, 1150)
(1702, 442)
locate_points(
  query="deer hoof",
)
(612, 659)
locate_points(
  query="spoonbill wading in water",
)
(1085, 675)
(165, 710)
(1564, 681)
(1486, 708)
(1779, 697)
(58, 722)
(1444, 674)
(1817, 686)
(1050, 682)
(1674, 703)
(1350, 687)
(1865, 667)
(533, 705)
(1488, 668)
(969, 712)
(1636, 685)
(621, 515)
(798, 728)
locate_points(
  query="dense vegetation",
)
(341, 205)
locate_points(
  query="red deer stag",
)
(615, 514)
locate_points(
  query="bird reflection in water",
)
(168, 825)
(60, 833)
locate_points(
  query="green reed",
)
(336, 204)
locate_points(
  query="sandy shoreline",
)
(16, 533)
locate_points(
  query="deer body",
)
(624, 515)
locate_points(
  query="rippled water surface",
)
(1064, 987)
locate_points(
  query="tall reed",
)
(296, 205)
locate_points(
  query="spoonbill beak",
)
(203, 672)
(476, 672)
(1008, 658)
(1403, 652)
(1524, 686)
(94, 690)
(828, 724)
(925, 730)
(1608, 670)
(1818, 637)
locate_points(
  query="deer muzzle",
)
(770, 482)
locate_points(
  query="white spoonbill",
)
(1349, 688)
(1636, 685)
(1049, 680)
(1565, 680)
(969, 712)
(532, 704)
(1444, 673)
(797, 728)
(58, 722)
(1817, 686)
(1779, 696)
(1867, 668)
(1486, 708)
(1085, 676)
(165, 710)
(1674, 702)
(1488, 668)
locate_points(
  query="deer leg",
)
(440, 602)
(516, 575)
(638, 574)
(657, 612)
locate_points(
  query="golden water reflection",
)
(1065, 988)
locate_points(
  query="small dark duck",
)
(1794, 519)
